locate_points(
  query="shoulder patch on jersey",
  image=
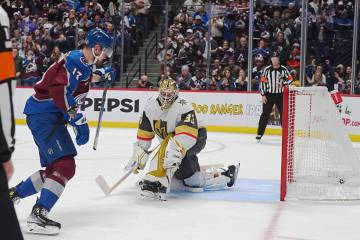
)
(83, 60)
(182, 102)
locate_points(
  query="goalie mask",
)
(168, 93)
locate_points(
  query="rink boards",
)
(219, 111)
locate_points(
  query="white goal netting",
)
(319, 162)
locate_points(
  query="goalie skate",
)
(38, 223)
(153, 190)
(232, 173)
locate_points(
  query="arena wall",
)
(219, 111)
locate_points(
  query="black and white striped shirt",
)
(274, 79)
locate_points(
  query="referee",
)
(273, 79)
(9, 225)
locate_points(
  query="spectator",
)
(310, 69)
(296, 81)
(242, 52)
(329, 74)
(216, 66)
(281, 46)
(227, 81)
(357, 84)
(183, 17)
(229, 28)
(215, 79)
(198, 82)
(294, 57)
(84, 22)
(144, 82)
(184, 79)
(242, 81)
(262, 49)
(224, 52)
(30, 75)
(142, 8)
(198, 26)
(234, 69)
(193, 6)
(318, 78)
(209, 42)
(204, 17)
(216, 29)
(56, 55)
(322, 42)
(18, 63)
(257, 70)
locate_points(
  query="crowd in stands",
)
(198, 37)
(44, 30)
(217, 36)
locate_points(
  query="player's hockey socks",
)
(38, 222)
(31, 185)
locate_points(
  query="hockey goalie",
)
(176, 164)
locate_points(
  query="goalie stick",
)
(100, 180)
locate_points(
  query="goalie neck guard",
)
(168, 93)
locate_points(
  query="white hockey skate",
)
(153, 190)
(38, 223)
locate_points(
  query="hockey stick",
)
(106, 86)
(96, 139)
(100, 180)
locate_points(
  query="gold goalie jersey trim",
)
(179, 120)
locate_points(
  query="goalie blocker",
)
(174, 121)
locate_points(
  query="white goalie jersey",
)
(178, 120)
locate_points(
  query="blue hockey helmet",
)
(97, 36)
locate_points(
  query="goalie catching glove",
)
(138, 159)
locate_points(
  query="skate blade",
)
(155, 196)
(236, 173)
(36, 228)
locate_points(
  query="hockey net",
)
(318, 160)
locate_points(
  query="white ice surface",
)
(85, 214)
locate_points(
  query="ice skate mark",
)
(220, 146)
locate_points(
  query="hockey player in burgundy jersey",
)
(54, 105)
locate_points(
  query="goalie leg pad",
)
(214, 178)
(207, 180)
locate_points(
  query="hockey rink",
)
(249, 211)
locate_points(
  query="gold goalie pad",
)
(157, 164)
